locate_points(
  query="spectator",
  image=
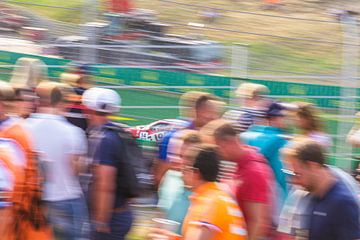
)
(28, 221)
(253, 105)
(25, 102)
(62, 147)
(333, 209)
(270, 139)
(213, 214)
(253, 180)
(75, 110)
(112, 215)
(200, 108)
(309, 123)
(353, 138)
(174, 195)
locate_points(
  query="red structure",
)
(120, 6)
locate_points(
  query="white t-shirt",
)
(56, 141)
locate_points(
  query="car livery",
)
(155, 131)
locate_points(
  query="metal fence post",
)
(89, 14)
(239, 68)
(349, 85)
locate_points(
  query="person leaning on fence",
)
(252, 106)
(27, 211)
(111, 213)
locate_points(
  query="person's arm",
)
(78, 164)
(105, 180)
(6, 218)
(105, 186)
(353, 136)
(160, 163)
(199, 233)
(257, 219)
(79, 150)
(254, 197)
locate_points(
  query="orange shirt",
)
(27, 192)
(213, 208)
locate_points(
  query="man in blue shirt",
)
(201, 108)
(112, 217)
(333, 210)
(269, 138)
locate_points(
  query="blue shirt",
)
(163, 145)
(107, 153)
(334, 216)
(269, 140)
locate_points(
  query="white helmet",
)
(101, 100)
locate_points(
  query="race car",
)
(155, 131)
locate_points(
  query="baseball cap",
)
(276, 109)
(101, 100)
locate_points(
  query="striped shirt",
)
(243, 118)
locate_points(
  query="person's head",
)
(100, 103)
(52, 94)
(223, 134)
(25, 101)
(201, 107)
(250, 93)
(275, 115)
(307, 159)
(71, 79)
(206, 109)
(7, 95)
(179, 144)
(201, 165)
(307, 118)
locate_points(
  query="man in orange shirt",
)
(28, 221)
(213, 213)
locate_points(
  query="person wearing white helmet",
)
(112, 216)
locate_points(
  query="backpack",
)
(133, 177)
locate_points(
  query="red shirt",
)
(254, 178)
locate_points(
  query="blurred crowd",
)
(257, 171)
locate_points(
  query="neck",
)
(49, 110)
(197, 124)
(198, 184)
(98, 122)
(237, 153)
(324, 182)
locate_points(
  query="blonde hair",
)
(251, 90)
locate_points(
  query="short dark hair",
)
(56, 96)
(224, 131)
(200, 102)
(207, 161)
(310, 152)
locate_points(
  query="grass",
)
(63, 13)
(267, 55)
